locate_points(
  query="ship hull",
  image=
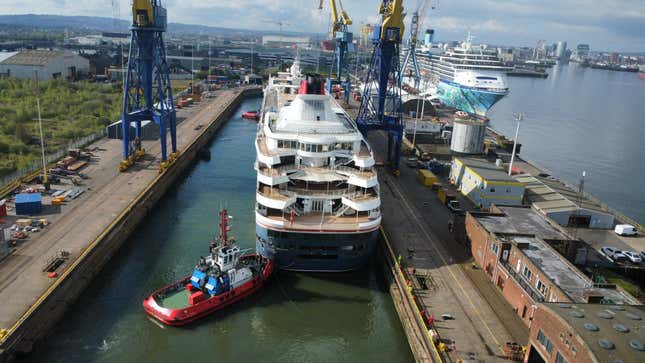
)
(472, 100)
(316, 252)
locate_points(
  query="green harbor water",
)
(296, 318)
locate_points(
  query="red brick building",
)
(582, 333)
(512, 244)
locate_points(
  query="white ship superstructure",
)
(471, 78)
(318, 204)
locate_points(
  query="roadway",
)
(416, 224)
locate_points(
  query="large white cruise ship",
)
(468, 77)
(318, 203)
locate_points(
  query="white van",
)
(625, 230)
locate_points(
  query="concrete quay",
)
(92, 227)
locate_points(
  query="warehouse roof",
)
(486, 169)
(5, 55)
(551, 195)
(613, 333)
(521, 221)
(33, 57)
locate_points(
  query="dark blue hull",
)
(316, 252)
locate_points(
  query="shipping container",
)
(28, 203)
(426, 177)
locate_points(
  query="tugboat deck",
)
(174, 300)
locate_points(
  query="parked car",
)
(625, 230)
(633, 256)
(643, 255)
(614, 254)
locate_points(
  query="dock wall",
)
(422, 346)
(50, 307)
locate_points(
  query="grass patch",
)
(69, 110)
(614, 278)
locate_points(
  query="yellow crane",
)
(339, 22)
(340, 33)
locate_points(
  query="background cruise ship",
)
(468, 77)
(318, 204)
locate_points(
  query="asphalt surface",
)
(446, 283)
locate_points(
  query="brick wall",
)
(564, 340)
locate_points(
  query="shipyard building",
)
(515, 247)
(48, 64)
(580, 333)
(485, 183)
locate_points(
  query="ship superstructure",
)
(469, 77)
(318, 203)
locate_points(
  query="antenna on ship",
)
(223, 227)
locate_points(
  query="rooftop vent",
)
(591, 327)
(604, 315)
(633, 316)
(606, 344)
(621, 328)
(637, 344)
(576, 314)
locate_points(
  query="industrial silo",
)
(468, 135)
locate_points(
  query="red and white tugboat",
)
(226, 276)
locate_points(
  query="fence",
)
(50, 158)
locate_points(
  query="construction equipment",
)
(342, 36)
(380, 107)
(147, 93)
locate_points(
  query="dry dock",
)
(93, 227)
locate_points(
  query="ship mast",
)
(223, 227)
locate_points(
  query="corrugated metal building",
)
(562, 205)
(49, 64)
(484, 183)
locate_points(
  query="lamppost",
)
(518, 117)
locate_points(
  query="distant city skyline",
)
(604, 25)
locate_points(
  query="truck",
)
(445, 195)
(449, 199)
(625, 230)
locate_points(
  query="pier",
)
(91, 229)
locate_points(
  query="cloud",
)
(615, 24)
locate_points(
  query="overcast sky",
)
(605, 25)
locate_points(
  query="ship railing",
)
(356, 172)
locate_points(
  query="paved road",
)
(79, 222)
(417, 224)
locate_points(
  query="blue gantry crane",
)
(340, 21)
(410, 55)
(147, 94)
(380, 107)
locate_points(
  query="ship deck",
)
(320, 222)
(174, 300)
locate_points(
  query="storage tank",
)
(468, 135)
